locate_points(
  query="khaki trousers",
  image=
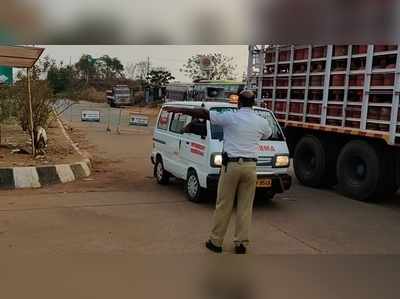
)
(238, 179)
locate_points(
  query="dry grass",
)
(59, 150)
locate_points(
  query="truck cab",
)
(119, 95)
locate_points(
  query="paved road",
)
(122, 210)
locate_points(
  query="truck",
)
(339, 106)
(119, 95)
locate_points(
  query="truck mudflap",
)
(279, 182)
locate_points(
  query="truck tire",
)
(309, 162)
(359, 171)
(162, 176)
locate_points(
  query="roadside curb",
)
(39, 176)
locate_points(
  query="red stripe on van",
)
(198, 146)
(197, 152)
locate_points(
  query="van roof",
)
(206, 105)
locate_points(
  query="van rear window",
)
(163, 121)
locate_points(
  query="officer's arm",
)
(221, 119)
(267, 130)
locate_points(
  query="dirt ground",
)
(59, 150)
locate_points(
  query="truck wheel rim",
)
(192, 186)
(160, 171)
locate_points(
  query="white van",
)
(195, 155)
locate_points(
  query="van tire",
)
(193, 190)
(161, 175)
(263, 196)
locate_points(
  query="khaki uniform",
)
(238, 178)
(243, 131)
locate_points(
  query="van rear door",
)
(194, 147)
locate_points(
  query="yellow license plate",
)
(264, 183)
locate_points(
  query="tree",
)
(61, 78)
(109, 68)
(159, 77)
(222, 67)
(86, 67)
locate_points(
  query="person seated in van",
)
(197, 126)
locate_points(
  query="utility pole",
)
(148, 66)
(147, 92)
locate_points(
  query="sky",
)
(171, 57)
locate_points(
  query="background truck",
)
(339, 105)
(119, 95)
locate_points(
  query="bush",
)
(42, 103)
(91, 95)
(7, 104)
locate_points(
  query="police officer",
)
(243, 131)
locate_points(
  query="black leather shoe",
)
(210, 246)
(241, 249)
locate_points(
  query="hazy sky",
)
(169, 56)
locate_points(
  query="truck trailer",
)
(339, 106)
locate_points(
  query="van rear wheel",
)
(194, 192)
(160, 173)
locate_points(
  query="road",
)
(121, 210)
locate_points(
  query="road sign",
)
(6, 75)
(138, 120)
(205, 63)
(90, 116)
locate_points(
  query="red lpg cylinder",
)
(373, 113)
(353, 112)
(384, 114)
(268, 82)
(317, 81)
(314, 109)
(360, 49)
(388, 79)
(300, 54)
(392, 48)
(337, 80)
(318, 52)
(380, 48)
(359, 80)
(356, 80)
(334, 110)
(352, 80)
(340, 50)
(284, 56)
(353, 124)
(294, 108)
(377, 80)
